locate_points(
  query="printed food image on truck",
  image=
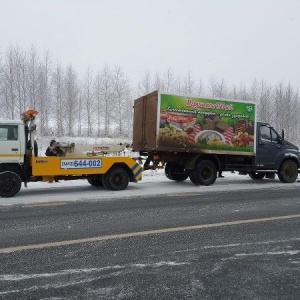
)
(206, 124)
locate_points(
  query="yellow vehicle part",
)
(80, 166)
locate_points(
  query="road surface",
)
(205, 244)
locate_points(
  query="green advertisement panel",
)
(206, 124)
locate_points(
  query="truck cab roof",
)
(10, 122)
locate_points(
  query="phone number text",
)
(80, 163)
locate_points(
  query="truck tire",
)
(180, 177)
(116, 179)
(10, 184)
(175, 172)
(168, 170)
(256, 175)
(95, 181)
(193, 178)
(206, 172)
(288, 171)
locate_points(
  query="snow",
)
(154, 182)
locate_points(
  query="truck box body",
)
(183, 123)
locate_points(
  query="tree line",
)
(100, 103)
(68, 105)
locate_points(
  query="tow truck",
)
(101, 165)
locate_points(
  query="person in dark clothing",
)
(50, 151)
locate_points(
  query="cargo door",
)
(145, 123)
(10, 146)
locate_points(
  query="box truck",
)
(196, 137)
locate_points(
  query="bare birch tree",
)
(128, 112)
(188, 84)
(58, 97)
(279, 115)
(243, 92)
(88, 99)
(71, 100)
(289, 112)
(212, 87)
(20, 62)
(222, 90)
(233, 93)
(81, 114)
(121, 96)
(99, 109)
(296, 119)
(9, 85)
(33, 71)
(145, 85)
(169, 79)
(44, 93)
(265, 106)
(254, 91)
(106, 92)
(200, 88)
(178, 86)
(158, 83)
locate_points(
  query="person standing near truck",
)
(50, 151)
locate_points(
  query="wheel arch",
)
(287, 172)
(15, 168)
(125, 167)
(289, 157)
(192, 162)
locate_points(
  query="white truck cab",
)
(13, 144)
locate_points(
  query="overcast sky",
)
(237, 40)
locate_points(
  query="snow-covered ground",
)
(154, 182)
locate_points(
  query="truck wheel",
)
(116, 179)
(10, 184)
(193, 178)
(206, 172)
(257, 175)
(180, 177)
(168, 170)
(288, 171)
(173, 171)
(95, 181)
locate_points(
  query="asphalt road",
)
(205, 245)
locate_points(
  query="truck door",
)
(268, 146)
(10, 146)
